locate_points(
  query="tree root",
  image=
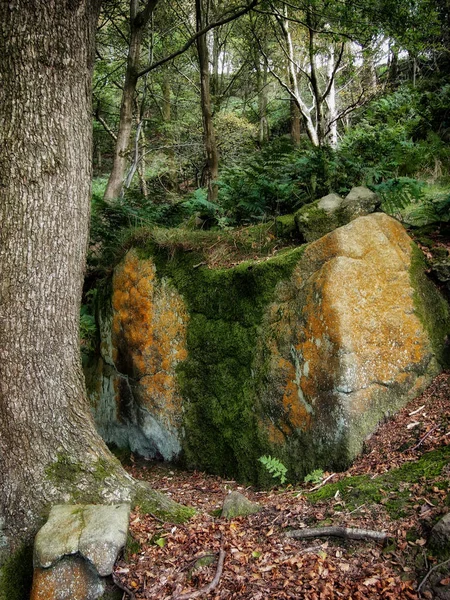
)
(207, 588)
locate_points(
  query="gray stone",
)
(97, 532)
(330, 203)
(104, 534)
(237, 505)
(440, 535)
(330, 212)
(359, 202)
(59, 536)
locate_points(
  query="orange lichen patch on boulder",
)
(70, 579)
(149, 333)
(347, 342)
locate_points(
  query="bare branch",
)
(207, 588)
(343, 532)
(195, 37)
(333, 73)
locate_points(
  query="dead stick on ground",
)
(207, 588)
(424, 437)
(343, 532)
(122, 587)
(322, 482)
(429, 573)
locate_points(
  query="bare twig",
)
(207, 588)
(343, 532)
(122, 587)
(316, 487)
(420, 442)
(431, 571)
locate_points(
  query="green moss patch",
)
(217, 380)
(431, 308)
(151, 502)
(390, 489)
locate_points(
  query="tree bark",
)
(49, 449)
(138, 22)
(212, 154)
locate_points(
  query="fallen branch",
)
(343, 532)
(429, 573)
(207, 588)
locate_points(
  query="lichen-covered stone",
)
(96, 532)
(237, 505)
(76, 549)
(297, 357)
(144, 339)
(344, 343)
(70, 579)
(330, 212)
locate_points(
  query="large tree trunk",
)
(49, 449)
(212, 154)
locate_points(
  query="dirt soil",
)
(178, 562)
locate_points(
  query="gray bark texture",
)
(49, 450)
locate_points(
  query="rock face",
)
(298, 357)
(142, 344)
(345, 341)
(76, 549)
(440, 535)
(330, 212)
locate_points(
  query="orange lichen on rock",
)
(149, 335)
(346, 339)
(71, 578)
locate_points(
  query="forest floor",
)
(399, 485)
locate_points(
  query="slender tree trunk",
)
(49, 449)
(166, 106)
(138, 22)
(295, 122)
(311, 129)
(261, 82)
(331, 100)
(212, 154)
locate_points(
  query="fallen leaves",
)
(260, 563)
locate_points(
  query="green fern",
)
(396, 194)
(275, 467)
(431, 210)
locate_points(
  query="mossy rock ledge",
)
(299, 356)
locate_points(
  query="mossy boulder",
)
(298, 356)
(330, 212)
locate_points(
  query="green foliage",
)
(315, 477)
(280, 179)
(396, 194)
(88, 324)
(275, 467)
(432, 210)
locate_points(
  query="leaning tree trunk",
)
(49, 449)
(138, 22)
